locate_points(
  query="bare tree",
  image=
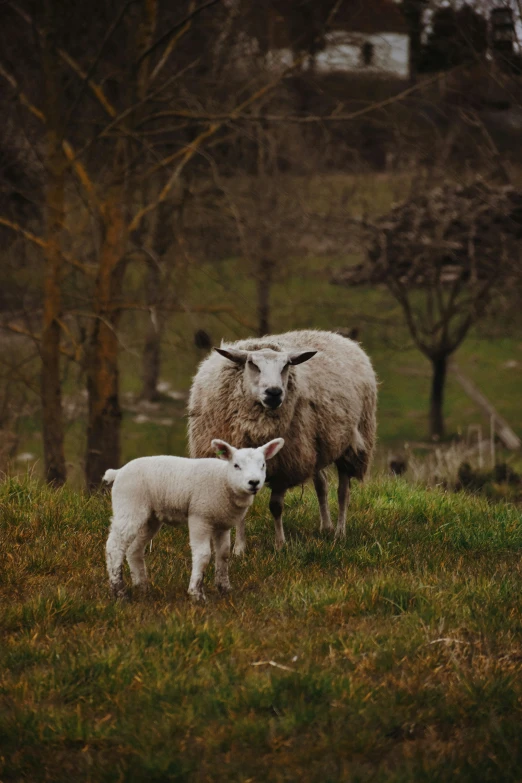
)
(443, 255)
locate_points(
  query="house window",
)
(367, 52)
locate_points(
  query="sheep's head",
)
(266, 372)
(247, 467)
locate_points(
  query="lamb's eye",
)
(237, 467)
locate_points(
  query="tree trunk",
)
(50, 380)
(413, 13)
(151, 362)
(161, 228)
(104, 412)
(264, 286)
(438, 382)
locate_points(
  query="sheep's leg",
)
(276, 509)
(136, 553)
(321, 488)
(343, 496)
(221, 539)
(240, 540)
(115, 549)
(199, 535)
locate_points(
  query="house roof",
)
(370, 16)
(353, 16)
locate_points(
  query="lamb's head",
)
(246, 470)
(266, 372)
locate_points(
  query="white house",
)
(367, 37)
(382, 53)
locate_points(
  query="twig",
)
(272, 663)
(446, 640)
(177, 26)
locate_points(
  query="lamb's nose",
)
(254, 483)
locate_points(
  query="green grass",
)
(403, 647)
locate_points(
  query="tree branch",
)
(35, 337)
(40, 242)
(22, 97)
(335, 116)
(79, 169)
(71, 62)
(165, 37)
(188, 152)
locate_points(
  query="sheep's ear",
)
(270, 449)
(235, 355)
(298, 357)
(223, 449)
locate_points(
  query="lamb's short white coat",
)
(211, 495)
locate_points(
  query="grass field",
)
(397, 652)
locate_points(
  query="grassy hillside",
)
(395, 655)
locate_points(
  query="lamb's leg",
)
(321, 488)
(117, 544)
(276, 509)
(240, 540)
(221, 540)
(136, 553)
(343, 495)
(199, 534)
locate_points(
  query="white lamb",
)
(212, 495)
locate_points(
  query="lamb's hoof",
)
(141, 590)
(197, 598)
(224, 589)
(280, 544)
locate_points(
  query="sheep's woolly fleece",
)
(329, 412)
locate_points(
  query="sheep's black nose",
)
(273, 397)
(254, 483)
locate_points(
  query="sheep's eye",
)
(253, 366)
(237, 467)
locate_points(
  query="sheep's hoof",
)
(340, 535)
(327, 531)
(120, 594)
(224, 588)
(280, 544)
(238, 551)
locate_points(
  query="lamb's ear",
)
(298, 357)
(223, 449)
(235, 355)
(270, 449)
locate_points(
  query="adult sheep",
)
(315, 389)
